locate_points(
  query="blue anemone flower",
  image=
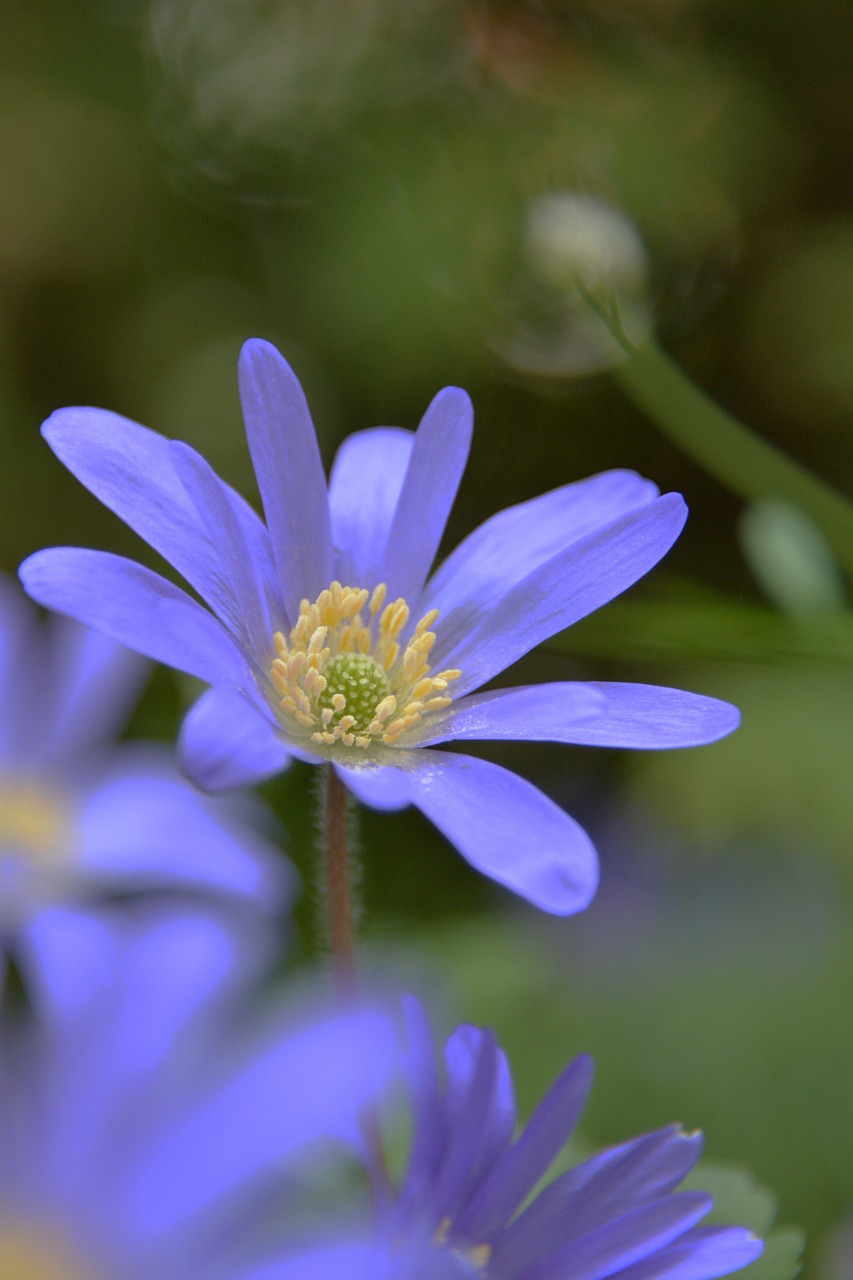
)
(327, 639)
(464, 1210)
(83, 817)
(150, 1125)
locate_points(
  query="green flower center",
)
(361, 682)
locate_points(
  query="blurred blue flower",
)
(464, 1209)
(150, 1126)
(363, 674)
(83, 817)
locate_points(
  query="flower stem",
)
(340, 925)
(338, 884)
(740, 459)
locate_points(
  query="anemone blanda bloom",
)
(83, 817)
(326, 638)
(463, 1209)
(150, 1126)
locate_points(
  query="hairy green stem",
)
(338, 884)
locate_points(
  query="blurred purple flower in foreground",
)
(150, 1127)
(459, 1211)
(328, 640)
(80, 816)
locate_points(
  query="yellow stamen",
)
(351, 679)
(33, 820)
(34, 1252)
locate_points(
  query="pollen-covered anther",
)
(352, 680)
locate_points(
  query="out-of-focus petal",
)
(293, 1091)
(507, 547)
(96, 683)
(226, 741)
(364, 487)
(114, 993)
(591, 1194)
(377, 786)
(545, 1135)
(540, 712)
(564, 589)
(700, 1254)
(129, 468)
(629, 1239)
(468, 1137)
(136, 607)
(145, 829)
(428, 1130)
(507, 829)
(438, 459)
(290, 473)
(246, 603)
(25, 692)
(69, 957)
(335, 1262)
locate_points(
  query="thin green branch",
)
(718, 442)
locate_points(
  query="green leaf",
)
(737, 1196)
(781, 1259)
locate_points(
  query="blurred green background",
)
(403, 196)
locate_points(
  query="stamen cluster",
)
(343, 678)
(32, 819)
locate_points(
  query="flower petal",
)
(468, 1138)
(626, 1240)
(98, 683)
(356, 1261)
(226, 741)
(565, 588)
(428, 1119)
(116, 995)
(367, 476)
(643, 716)
(146, 828)
(130, 470)
(24, 693)
(290, 474)
(438, 459)
(653, 717)
(69, 958)
(700, 1254)
(306, 1085)
(136, 607)
(377, 786)
(509, 546)
(507, 829)
(247, 603)
(535, 713)
(596, 1192)
(539, 1143)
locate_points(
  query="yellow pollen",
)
(345, 678)
(34, 821)
(31, 1253)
